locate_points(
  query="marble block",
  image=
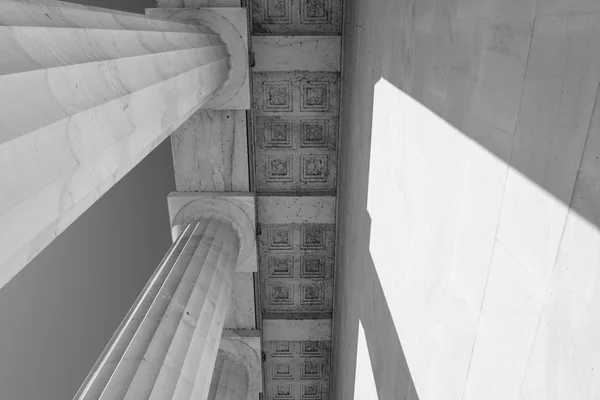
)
(210, 152)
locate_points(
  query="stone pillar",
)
(86, 94)
(167, 346)
(229, 381)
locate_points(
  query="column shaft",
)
(86, 94)
(167, 346)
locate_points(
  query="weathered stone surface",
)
(297, 369)
(288, 17)
(295, 130)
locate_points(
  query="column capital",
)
(231, 24)
(237, 208)
(244, 346)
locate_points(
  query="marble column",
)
(167, 346)
(230, 379)
(85, 94)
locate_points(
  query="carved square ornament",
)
(311, 348)
(315, 12)
(314, 133)
(280, 237)
(311, 370)
(312, 295)
(283, 391)
(312, 267)
(283, 371)
(279, 168)
(313, 168)
(314, 237)
(311, 391)
(281, 267)
(283, 348)
(278, 96)
(277, 11)
(278, 133)
(315, 96)
(280, 294)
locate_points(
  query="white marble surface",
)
(296, 329)
(245, 347)
(232, 25)
(180, 312)
(99, 100)
(296, 53)
(210, 152)
(471, 261)
(295, 209)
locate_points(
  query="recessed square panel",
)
(280, 237)
(311, 370)
(313, 237)
(278, 133)
(281, 294)
(311, 391)
(315, 11)
(283, 348)
(281, 267)
(314, 133)
(277, 11)
(315, 96)
(283, 371)
(311, 348)
(313, 168)
(312, 294)
(312, 267)
(279, 168)
(283, 391)
(278, 96)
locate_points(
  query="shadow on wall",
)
(376, 329)
(469, 133)
(521, 81)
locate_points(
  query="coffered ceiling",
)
(294, 137)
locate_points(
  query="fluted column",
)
(230, 379)
(85, 94)
(167, 346)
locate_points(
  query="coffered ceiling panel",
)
(297, 369)
(296, 245)
(295, 130)
(296, 17)
(296, 262)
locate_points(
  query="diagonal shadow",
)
(525, 89)
(538, 115)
